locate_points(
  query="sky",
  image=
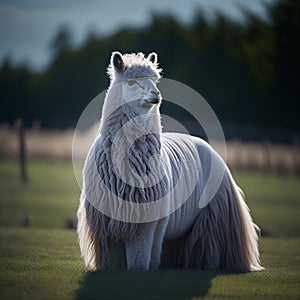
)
(27, 27)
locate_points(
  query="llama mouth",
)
(152, 100)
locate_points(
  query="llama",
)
(134, 212)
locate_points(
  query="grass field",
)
(43, 261)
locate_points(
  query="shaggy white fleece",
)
(132, 166)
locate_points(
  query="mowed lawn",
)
(43, 261)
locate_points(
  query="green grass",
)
(39, 264)
(43, 261)
(46, 264)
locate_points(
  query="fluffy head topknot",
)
(134, 65)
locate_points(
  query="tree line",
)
(249, 72)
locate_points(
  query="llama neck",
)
(132, 135)
(119, 116)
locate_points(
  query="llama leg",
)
(84, 236)
(157, 243)
(138, 248)
(116, 256)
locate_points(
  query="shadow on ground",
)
(170, 284)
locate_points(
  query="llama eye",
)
(131, 82)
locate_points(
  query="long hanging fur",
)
(223, 236)
(220, 236)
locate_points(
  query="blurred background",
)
(241, 56)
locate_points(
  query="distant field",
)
(43, 261)
(52, 194)
(49, 197)
(274, 201)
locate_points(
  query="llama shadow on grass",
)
(122, 284)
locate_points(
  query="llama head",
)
(135, 77)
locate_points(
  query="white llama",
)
(134, 210)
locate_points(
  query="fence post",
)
(296, 151)
(22, 150)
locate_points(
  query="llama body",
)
(132, 163)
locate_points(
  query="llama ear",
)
(117, 61)
(152, 57)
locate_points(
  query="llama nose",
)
(155, 93)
